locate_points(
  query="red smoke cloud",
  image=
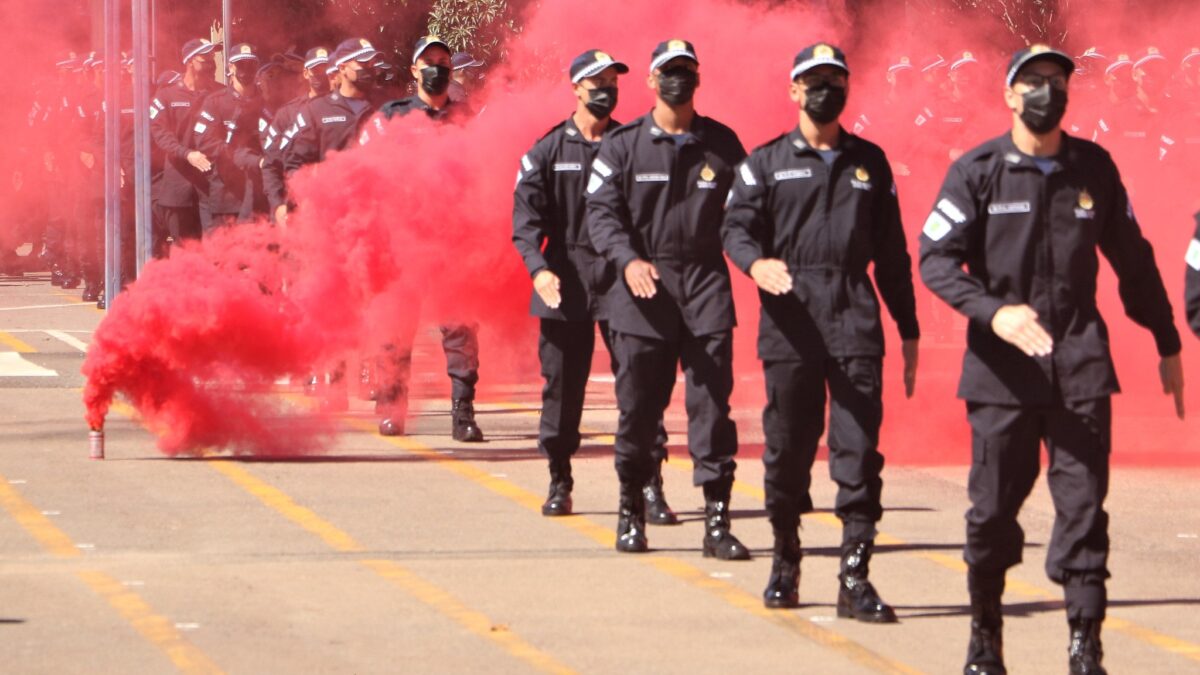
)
(414, 227)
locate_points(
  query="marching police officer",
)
(282, 131)
(172, 115)
(1192, 285)
(1025, 213)
(460, 342)
(331, 123)
(809, 212)
(656, 195)
(569, 278)
(225, 127)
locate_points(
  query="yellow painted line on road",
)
(683, 571)
(431, 595)
(156, 629)
(153, 627)
(16, 344)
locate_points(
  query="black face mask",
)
(602, 101)
(319, 84)
(825, 103)
(246, 80)
(435, 80)
(364, 79)
(1044, 108)
(677, 86)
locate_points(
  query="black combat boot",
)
(985, 651)
(719, 542)
(465, 429)
(631, 520)
(857, 598)
(101, 300)
(558, 502)
(91, 291)
(1085, 651)
(658, 512)
(783, 588)
(56, 275)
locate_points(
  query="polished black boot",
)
(658, 512)
(558, 502)
(56, 275)
(101, 300)
(783, 588)
(857, 598)
(1085, 651)
(985, 651)
(631, 520)
(91, 291)
(719, 542)
(465, 429)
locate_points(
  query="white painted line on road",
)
(187, 626)
(823, 619)
(68, 339)
(85, 547)
(721, 575)
(17, 481)
(51, 513)
(1188, 535)
(13, 364)
(66, 304)
(499, 475)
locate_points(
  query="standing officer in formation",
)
(809, 212)
(570, 279)
(283, 129)
(1192, 284)
(172, 116)
(1025, 213)
(460, 342)
(655, 200)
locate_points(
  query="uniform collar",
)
(698, 130)
(574, 134)
(800, 146)
(1015, 159)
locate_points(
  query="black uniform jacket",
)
(827, 223)
(277, 141)
(550, 227)
(1192, 285)
(661, 199)
(1030, 238)
(226, 132)
(172, 120)
(325, 124)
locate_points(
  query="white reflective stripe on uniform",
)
(595, 182)
(602, 168)
(1193, 255)
(526, 163)
(747, 175)
(200, 127)
(951, 210)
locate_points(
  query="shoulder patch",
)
(1193, 255)
(936, 227)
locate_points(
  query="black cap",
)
(196, 47)
(1038, 53)
(593, 62)
(354, 49)
(70, 61)
(464, 60)
(242, 52)
(167, 77)
(427, 42)
(671, 49)
(317, 56)
(1193, 53)
(820, 54)
(1152, 54)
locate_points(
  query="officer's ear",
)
(416, 72)
(1013, 100)
(652, 80)
(796, 92)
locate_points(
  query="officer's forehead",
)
(434, 53)
(679, 61)
(1043, 67)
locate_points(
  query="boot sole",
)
(780, 604)
(709, 553)
(844, 613)
(642, 549)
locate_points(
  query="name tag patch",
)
(332, 119)
(792, 174)
(1085, 214)
(706, 185)
(568, 166)
(651, 178)
(1005, 208)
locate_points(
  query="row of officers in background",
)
(629, 226)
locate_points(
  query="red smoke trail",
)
(414, 227)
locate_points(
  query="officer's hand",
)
(281, 214)
(911, 355)
(1018, 326)
(641, 275)
(547, 285)
(772, 276)
(198, 160)
(1170, 369)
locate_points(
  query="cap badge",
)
(322, 54)
(677, 46)
(365, 44)
(823, 52)
(601, 57)
(1039, 49)
(247, 50)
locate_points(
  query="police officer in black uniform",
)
(331, 123)
(1192, 284)
(656, 195)
(569, 278)
(282, 130)
(460, 342)
(1025, 213)
(809, 212)
(172, 121)
(225, 128)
